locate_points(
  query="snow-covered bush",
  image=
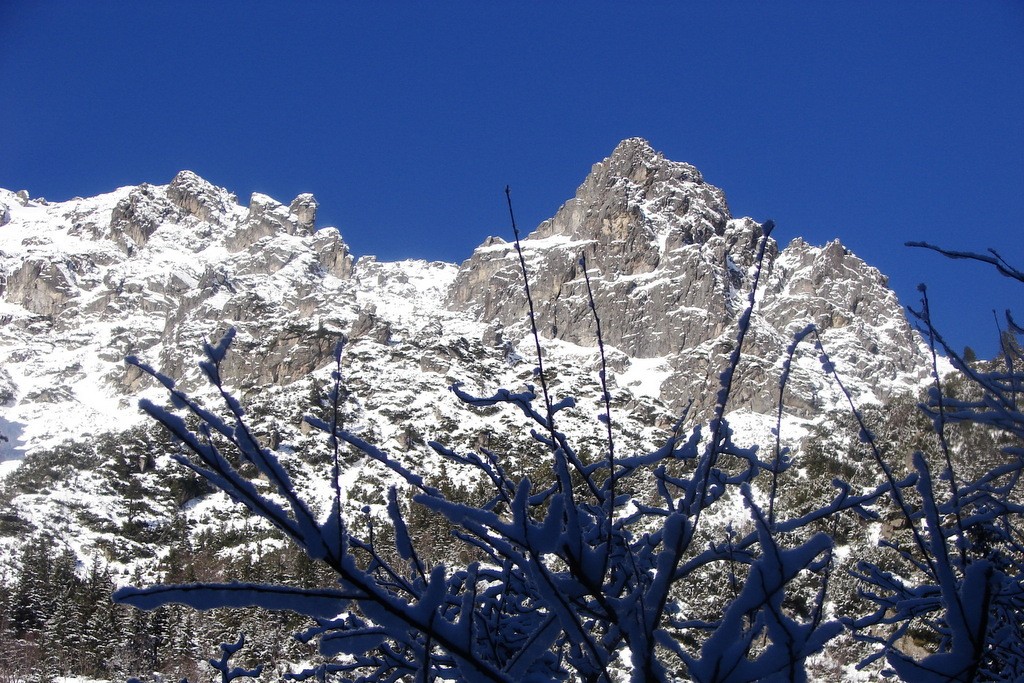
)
(963, 590)
(579, 579)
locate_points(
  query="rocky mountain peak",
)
(200, 198)
(267, 217)
(635, 160)
(628, 194)
(304, 209)
(660, 245)
(653, 233)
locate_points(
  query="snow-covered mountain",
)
(153, 271)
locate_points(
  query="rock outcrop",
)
(42, 286)
(138, 215)
(200, 199)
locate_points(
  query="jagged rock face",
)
(200, 199)
(138, 215)
(844, 297)
(658, 243)
(303, 208)
(43, 287)
(671, 271)
(155, 270)
(268, 217)
(332, 253)
(625, 201)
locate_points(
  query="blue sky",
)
(873, 122)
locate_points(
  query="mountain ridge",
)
(157, 269)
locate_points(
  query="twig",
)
(603, 376)
(533, 318)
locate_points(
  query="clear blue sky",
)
(873, 122)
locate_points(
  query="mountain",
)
(671, 274)
(153, 271)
